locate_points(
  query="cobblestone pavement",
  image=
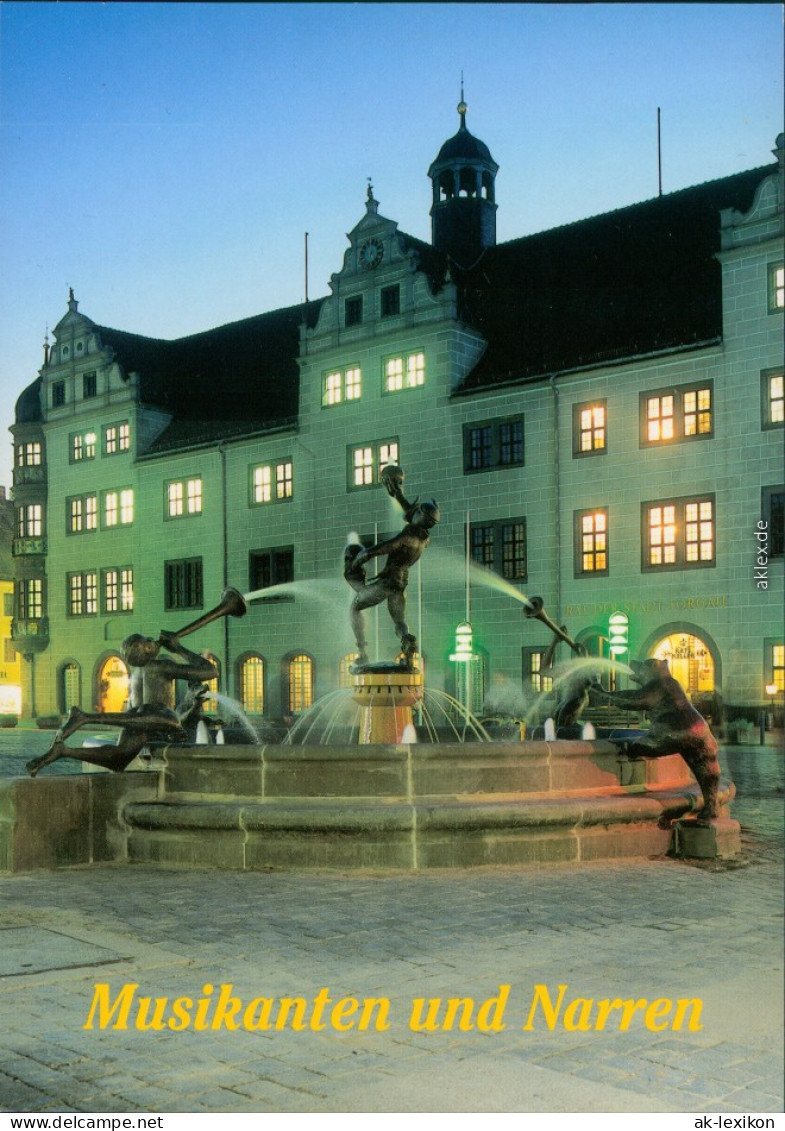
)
(645, 929)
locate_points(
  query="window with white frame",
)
(118, 590)
(773, 398)
(30, 599)
(589, 429)
(83, 446)
(118, 507)
(184, 497)
(679, 534)
(366, 461)
(30, 520)
(500, 546)
(272, 482)
(493, 444)
(405, 372)
(591, 542)
(674, 415)
(29, 454)
(342, 385)
(117, 438)
(82, 514)
(82, 593)
(776, 288)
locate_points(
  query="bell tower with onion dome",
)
(463, 215)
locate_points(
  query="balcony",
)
(21, 547)
(30, 635)
(36, 473)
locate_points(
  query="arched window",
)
(252, 685)
(300, 683)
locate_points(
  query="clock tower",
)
(463, 215)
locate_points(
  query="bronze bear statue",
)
(675, 727)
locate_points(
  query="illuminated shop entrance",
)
(690, 662)
(112, 685)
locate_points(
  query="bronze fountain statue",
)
(151, 714)
(675, 726)
(389, 585)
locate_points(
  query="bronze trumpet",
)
(534, 611)
(232, 604)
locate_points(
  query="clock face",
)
(371, 253)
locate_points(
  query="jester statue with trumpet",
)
(150, 714)
(389, 585)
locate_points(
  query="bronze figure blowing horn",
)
(232, 604)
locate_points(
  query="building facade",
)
(597, 409)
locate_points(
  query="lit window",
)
(776, 288)
(773, 398)
(404, 372)
(778, 666)
(659, 416)
(300, 671)
(272, 482)
(194, 496)
(184, 497)
(493, 444)
(29, 454)
(501, 547)
(684, 413)
(82, 514)
(119, 507)
(117, 438)
(283, 481)
(118, 590)
(30, 520)
(262, 484)
(252, 685)
(533, 675)
(589, 429)
(83, 446)
(30, 599)
(83, 594)
(368, 460)
(680, 534)
(591, 542)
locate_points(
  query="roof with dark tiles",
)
(638, 280)
(635, 281)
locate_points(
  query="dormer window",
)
(58, 394)
(89, 385)
(353, 311)
(66, 352)
(390, 301)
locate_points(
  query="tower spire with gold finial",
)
(462, 107)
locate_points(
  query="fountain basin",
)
(411, 807)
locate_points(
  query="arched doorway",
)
(112, 684)
(690, 662)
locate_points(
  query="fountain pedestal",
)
(386, 695)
